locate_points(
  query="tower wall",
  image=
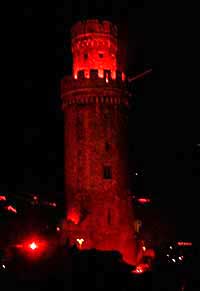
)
(96, 184)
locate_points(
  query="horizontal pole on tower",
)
(140, 75)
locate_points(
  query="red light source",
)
(53, 204)
(141, 268)
(33, 246)
(184, 243)
(80, 241)
(73, 216)
(11, 208)
(2, 198)
(143, 200)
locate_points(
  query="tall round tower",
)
(99, 211)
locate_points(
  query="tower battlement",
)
(106, 77)
(94, 89)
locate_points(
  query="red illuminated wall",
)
(95, 106)
(94, 46)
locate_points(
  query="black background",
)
(164, 122)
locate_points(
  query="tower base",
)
(119, 240)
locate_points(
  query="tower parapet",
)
(94, 89)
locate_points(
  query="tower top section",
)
(94, 26)
(94, 46)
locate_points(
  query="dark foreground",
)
(92, 270)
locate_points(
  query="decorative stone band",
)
(79, 97)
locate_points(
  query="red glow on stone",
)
(73, 216)
(87, 74)
(113, 75)
(100, 73)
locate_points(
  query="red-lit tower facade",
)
(99, 211)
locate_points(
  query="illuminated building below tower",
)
(95, 103)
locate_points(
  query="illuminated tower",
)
(99, 211)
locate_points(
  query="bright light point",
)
(144, 248)
(174, 260)
(180, 258)
(170, 247)
(80, 241)
(57, 228)
(33, 246)
(35, 197)
(136, 174)
(167, 255)
(3, 266)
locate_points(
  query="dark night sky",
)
(164, 125)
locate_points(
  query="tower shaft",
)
(99, 212)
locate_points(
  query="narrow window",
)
(107, 147)
(109, 217)
(107, 172)
(85, 56)
(100, 55)
(79, 126)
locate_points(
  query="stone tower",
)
(94, 100)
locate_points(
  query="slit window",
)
(109, 217)
(85, 56)
(107, 147)
(107, 172)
